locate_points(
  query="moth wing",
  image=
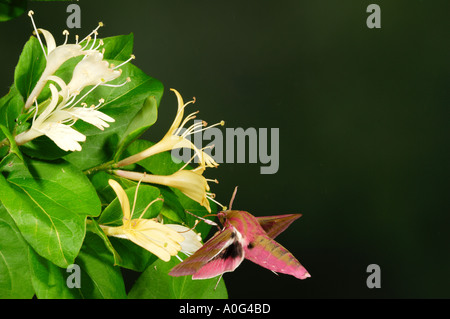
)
(275, 225)
(228, 259)
(208, 253)
(269, 254)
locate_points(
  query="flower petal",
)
(192, 240)
(91, 116)
(92, 70)
(49, 40)
(63, 135)
(123, 199)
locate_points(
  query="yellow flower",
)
(175, 139)
(153, 236)
(189, 182)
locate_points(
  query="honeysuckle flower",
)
(175, 139)
(65, 107)
(57, 119)
(189, 182)
(57, 55)
(159, 239)
(91, 70)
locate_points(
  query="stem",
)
(102, 167)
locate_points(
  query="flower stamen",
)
(212, 199)
(117, 85)
(66, 33)
(132, 57)
(100, 24)
(30, 14)
(150, 204)
(87, 43)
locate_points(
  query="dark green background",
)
(363, 114)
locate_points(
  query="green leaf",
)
(93, 227)
(172, 207)
(30, 67)
(100, 181)
(155, 283)
(50, 281)
(49, 203)
(99, 278)
(131, 256)
(10, 107)
(15, 278)
(143, 120)
(10, 9)
(118, 47)
(12, 143)
(43, 148)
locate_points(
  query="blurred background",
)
(363, 116)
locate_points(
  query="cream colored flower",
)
(175, 139)
(159, 239)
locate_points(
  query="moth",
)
(243, 236)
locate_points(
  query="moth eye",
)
(250, 245)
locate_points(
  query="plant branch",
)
(102, 167)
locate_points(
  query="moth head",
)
(222, 216)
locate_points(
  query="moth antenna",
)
(232, 197)
(207, 221)
(220, 277)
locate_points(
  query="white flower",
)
(56, 122)
(192, 240)
(91, 116)
(59, 115)
(92, 70)
(57, 55)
